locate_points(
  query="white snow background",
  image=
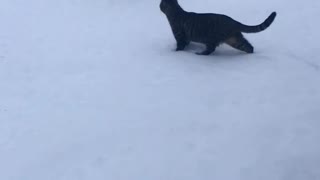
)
(92, 90)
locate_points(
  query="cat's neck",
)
(177, 8)
(175, 11)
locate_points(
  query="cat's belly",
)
(204, 37)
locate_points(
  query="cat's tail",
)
(258, 28)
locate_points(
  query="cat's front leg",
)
(181, 45)
(181, 39)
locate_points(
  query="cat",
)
(208, 28)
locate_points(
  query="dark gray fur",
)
(209, 29)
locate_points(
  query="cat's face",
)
(165, 5)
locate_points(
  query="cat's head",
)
(166, 5)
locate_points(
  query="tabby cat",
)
(209, 29)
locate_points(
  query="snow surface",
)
(92, 90)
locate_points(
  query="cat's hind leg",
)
(239, 42)
(210, 48)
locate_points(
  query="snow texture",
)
(93, 90)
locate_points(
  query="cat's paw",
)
(201, 54)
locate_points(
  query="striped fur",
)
(209, 29)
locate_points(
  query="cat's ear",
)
(174, 1)
(170, 1)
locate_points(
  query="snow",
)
(93, 90)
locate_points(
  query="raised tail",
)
(258, 28)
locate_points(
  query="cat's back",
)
(203, 27)
(208, 16)
(219, 21)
